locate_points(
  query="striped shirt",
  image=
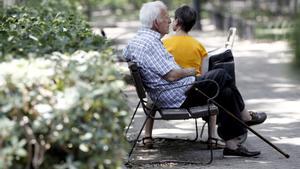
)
(154, 61)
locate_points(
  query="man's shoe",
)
(257, 118)
(240, 151)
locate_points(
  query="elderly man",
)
(159, 70)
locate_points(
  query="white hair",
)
(151, 11)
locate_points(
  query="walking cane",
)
(245, 125)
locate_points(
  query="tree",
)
(296, 5)
(197, 7)
(255, 4)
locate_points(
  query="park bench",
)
(169, 113)
(191, 112)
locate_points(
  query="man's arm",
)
(176, 74)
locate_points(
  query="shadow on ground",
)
(174, 151)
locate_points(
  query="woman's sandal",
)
(215, 143)
(147, 142)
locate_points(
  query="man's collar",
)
(151, 32)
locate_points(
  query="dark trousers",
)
(229, 97)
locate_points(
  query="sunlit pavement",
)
(267, 83)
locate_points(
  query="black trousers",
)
(229, 97)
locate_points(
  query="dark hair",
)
(186, 17)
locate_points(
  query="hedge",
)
(61, 104)
(60, 111)
(26, 30)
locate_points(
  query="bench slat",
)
(174, 114)
(192, 112)
(202, 111)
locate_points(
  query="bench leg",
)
(196, 125)
(135, 141)
(209, 140)
(202, 129)
(138, 105)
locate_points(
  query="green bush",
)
(60, 105)
(69, 6)
(43, 31)
(61, 112)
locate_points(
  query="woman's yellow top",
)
(187, 51)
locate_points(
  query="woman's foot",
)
(216, 143)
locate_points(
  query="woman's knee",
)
(220, 76)
(216, 74)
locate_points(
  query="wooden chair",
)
(170, 113)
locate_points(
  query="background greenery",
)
(295, 40)
(44, 29)
(259, 19)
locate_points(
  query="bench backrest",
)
(169, 113)
(137, 80)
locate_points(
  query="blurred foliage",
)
(62, 112)
(68, 6)
(43, 30)
(125, 5)
(60, 95)
(295, 40)
(255, 14)
(136, 4)
(275, 30)
(262, 19)
(117, 7)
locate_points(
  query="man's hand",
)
(176, 74)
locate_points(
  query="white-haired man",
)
(159, 69)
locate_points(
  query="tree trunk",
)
(279, 7)
(197, 7)
(89, 10)
(296, 5)
(293, 5)
(255, 4)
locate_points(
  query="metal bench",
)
(169, 113)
